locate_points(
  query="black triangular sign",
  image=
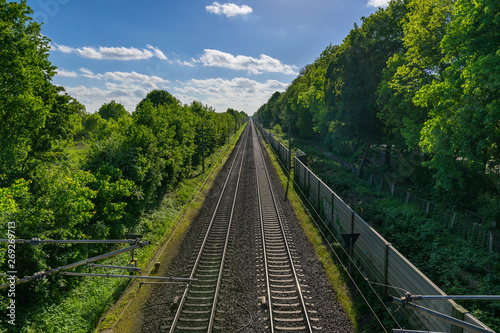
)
(350, 239)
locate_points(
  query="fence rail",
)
(381, 261)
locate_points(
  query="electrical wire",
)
(386, 285)
(335, 253)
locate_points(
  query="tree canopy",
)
(112, 110)
(415, 76)
(132, 162)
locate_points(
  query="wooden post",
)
(392, 190)
(427, 209)
(457, 312)
(407, 196)
(453, 219)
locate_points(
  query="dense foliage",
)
(418, 76)
(417, 81)
(455, 258)
(133, 161)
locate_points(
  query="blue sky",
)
(223, 54)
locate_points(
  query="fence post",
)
(304, 180)
(295, 178)
(352, 222)
(458, 312)
(407, 196)
(427, 209)
(333, 208)
(309, 185)
(386, 267)
(392, 190)
(319, 205)
(453, 219)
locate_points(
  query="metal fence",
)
(278, 147)
(379, 259)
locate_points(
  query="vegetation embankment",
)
(127, 179)
(454, 257)
(416, 80)
(413, 86)
(179, 208)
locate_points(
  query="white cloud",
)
(127, 88)
(158, 53)
(378, 3)
(112, 53)
(186, 63)
(239, 93)
(65, 73)
(228, 9)
(264, 63)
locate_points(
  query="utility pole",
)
(290, 147)
(202, 148)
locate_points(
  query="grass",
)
(78, 151)
(334, 274)
(122, 317)
(81, 309)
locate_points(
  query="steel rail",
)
(297, 283)
(212, 315)
(200, 252)
(264, 250)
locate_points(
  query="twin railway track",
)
(284, 306)
(198, 304)
(287, 307)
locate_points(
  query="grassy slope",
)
(122, 317)
(81, 309)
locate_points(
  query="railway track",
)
(196, 308)
(285, 301)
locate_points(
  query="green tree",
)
(355, 73)
(112, 110)
(463, 129)
(35, 115)
(418, 63)
(159, 97)
(25, 72)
